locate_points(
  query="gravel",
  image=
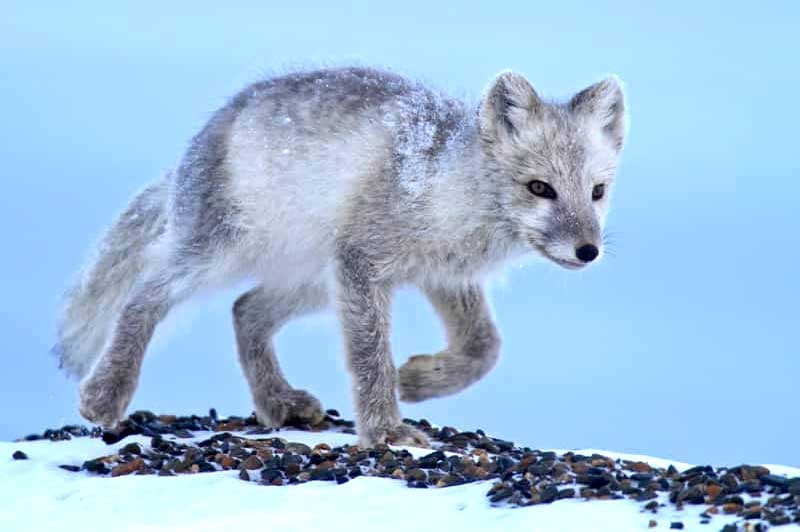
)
(520, 476)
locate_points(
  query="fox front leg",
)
(364, 309)
(473, 346)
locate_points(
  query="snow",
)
(37, 495)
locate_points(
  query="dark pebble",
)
(70, 468)
(131, 448)
(505, 446)
(142, 416)
(501, 494)
(488, 445)
(775, 480)
(205, 467)
(693, 495)
(752, 513)
(695, 471)
(593, 481)
(96, 466)
(548, 495)
(567, 493)
(646, 496)
(431, 461)
(268, 475)
(540, 470)
(322, 474)
(677, 525)
(298, 448)
(779, 520)
(19, 455)
(289, 458)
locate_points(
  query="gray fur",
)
(257, 317)
(473, 346)
(94, 303)
(337, 186)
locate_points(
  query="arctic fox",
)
(336, 186)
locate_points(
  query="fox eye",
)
(542, 189)
(598, 192)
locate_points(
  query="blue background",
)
(681, 343)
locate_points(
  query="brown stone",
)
(713, 491)
(229, 426)
(322, 447)
(227, 462)
(397, 473)
(713, 510)
(416, 474)
(732, 508)
(264, 454)
(168, 419)
(195, 468)
(652, 523)
(252, 462)
(277, 481)
(580, 468)
(128, 468)
(327, 464)
(640, 467)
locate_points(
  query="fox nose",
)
(587, 252)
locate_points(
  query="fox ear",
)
(509, 101)
(604, 102)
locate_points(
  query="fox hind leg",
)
(257, 317)
(107, 391)
(473, 346)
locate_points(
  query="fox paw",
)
(400, 434)
(103, 400)
(288, 408)
(421, 377)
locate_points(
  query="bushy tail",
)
(122, 259)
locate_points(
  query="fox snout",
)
(570, 256)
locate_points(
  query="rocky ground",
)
(521, 476)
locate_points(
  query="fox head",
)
(555, 163)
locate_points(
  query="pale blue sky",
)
(682, 344)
